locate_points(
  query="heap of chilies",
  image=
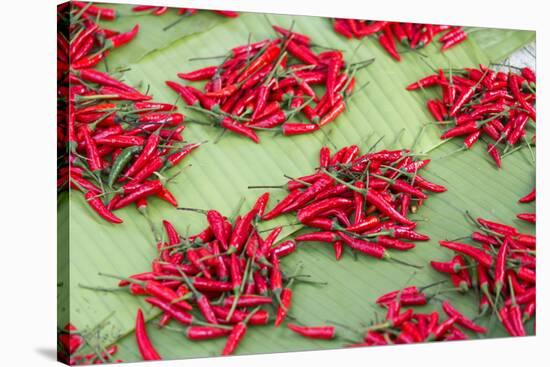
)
(160, 10)
(119, 142)
(501, 268)
(528, 217)
(391, 34)
(408, 326)
(360, 201)
(216, 282)
(480, 102)
(94, 11)
(70, 342)
(265, 85)
(401, 326)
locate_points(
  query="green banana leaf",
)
(497, 44)
(152, 34)
(218, 173)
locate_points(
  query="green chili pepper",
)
(121, 161)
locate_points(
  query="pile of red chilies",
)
(359, 200)
(481, 102)
(160, 10)
(218, 281)
(86, 51)
(402, 326)
(408, 327)
(502, 267)
(94, 11)
(70, 342)
(411, 35)
(264, 85)
(117, 137)
(528, 217)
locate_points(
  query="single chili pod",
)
(146, 348)
(95, 203)
(205, 332)
(477, 254)
(314, 332)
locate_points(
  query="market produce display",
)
(114, 137)
(265, 84)
(71, 342)
(391, 34)
(481, 102)
(228, 272)
(349, 251)
(360, 200)
(501, 267)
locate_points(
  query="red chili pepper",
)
(284, 249)
(260, 317)
(308, 194)
(289, 128)
(185, 93)
(302, 53)
(327, 237)
(200, 74)
(369, 248)
(461, 319)
(71, 342)
(102, 13)
(209, 285)
(226, 13)
(340, 26)
(146, 348)
(260, 283)
(386, 41)
(314, 332)
(142, 190)
(498, 227)
(298, 37)
(494, 153)
(94, 76)
(527, 275)
(246, 300)
(338, 249)
(529, 75)
(100, 208)
(230, 124)
(169, 309)
(386, 208)
(528, 217)
(500, 267)
(314, 209)
(235, 272)
(426, 82)
(122, 38)
(506, 322)
(282, 310)
(175, 158)
(94, 159)
(333, 113)
(205, 332)
(457, 38)
(277, 210)
(269, 55)
(241, 231)
(237, 334)
(477, 254)
(372, 28)
(513, 84)
(261, 204)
